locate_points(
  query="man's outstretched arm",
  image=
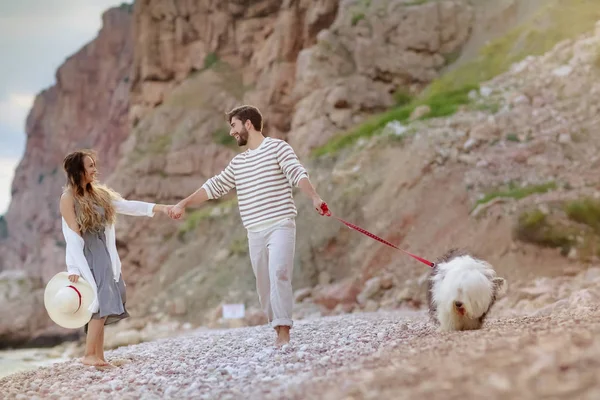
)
(194, 199)
(215, 187)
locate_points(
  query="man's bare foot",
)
(283, 336)
(94, 361)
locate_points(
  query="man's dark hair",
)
(246, 112)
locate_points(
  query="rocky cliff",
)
(424, 169)
(334, 83)
(87, 107)
(169, 70)
(424, 182)
(260, 40)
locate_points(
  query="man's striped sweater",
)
(263, 179)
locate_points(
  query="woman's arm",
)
(67, 210)
(139, 208)
(161, 208)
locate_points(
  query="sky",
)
(36, 36)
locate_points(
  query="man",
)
(263, 176)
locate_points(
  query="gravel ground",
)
(393, 355)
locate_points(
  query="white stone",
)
(563, 71)
(564, 138)
(394, 128)
(470, 144)
(372, 286)
(521, 99)
(486, 91)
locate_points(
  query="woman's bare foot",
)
(283, 336)
(105, 366)
(94, 361)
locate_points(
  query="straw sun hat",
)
(67, 303)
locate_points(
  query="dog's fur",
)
(461, 291)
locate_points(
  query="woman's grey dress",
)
(111, 294)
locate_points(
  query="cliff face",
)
(374, 52)
(415, 183)
(259, 39)
(87, 107)
(150, 95)
(180, 137)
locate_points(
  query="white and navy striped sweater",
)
(263, 179)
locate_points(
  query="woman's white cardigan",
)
(77, 263)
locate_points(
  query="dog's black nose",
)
(458, 304)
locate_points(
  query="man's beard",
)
(243, 137)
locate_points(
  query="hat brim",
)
(77, 319)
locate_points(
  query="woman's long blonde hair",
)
(86, 196)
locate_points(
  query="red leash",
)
(328, 213)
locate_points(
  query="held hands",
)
(173, 211)
(176, 211)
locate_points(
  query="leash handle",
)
(327, 212)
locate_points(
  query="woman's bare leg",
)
(93, 336)
(100, 344)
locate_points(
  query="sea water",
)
(13, 361)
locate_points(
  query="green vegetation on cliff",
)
(536, 227)
(557, 20)
(3, 228)
(565, 225)
(517, 192)
(441, 105)
(128, 7)
(585, 211)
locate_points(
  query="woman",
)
(88, 211)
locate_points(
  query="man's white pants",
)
(272, 258)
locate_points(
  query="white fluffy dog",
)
(461, 291)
